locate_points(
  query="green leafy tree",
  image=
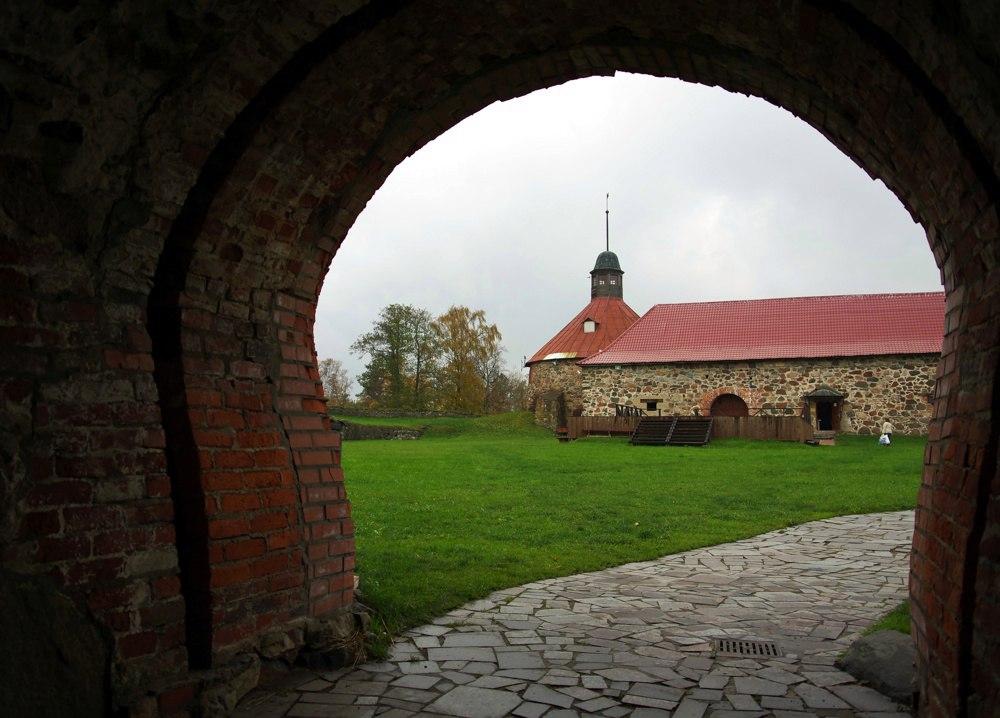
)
(424, 352)
(400, 355)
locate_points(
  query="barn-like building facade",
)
(844, 363)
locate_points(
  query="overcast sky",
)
(713, 196)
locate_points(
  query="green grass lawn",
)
(481, 504)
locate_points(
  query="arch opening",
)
(729, 405)
(299, 297)
(238, 175)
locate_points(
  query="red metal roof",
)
(613, 316)
(794, 327)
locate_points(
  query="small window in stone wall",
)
(651, 404)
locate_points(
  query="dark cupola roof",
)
(607, 276)
(599, 323)
(607, 261)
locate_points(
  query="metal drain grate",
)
(744, 647)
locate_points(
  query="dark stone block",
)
(885, 660)
(52, 652)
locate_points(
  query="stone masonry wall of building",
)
(557, 375)
(897, 388)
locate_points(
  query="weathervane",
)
(607, 222)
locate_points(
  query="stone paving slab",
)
(635, 641)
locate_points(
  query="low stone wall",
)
(358, 432)
(875, 388)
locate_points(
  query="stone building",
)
(844, 363)
(554, 373)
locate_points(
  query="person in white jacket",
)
(887, 428)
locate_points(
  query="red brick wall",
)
(209, 175)
(86, 495)
(258, 482)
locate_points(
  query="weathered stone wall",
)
(362, 432)
(559, 375)
(897, 388)
(549, 409)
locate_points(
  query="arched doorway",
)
(409, 115)
(212, 231)
(729, 405)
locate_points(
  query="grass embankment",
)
(898, 619)
(408, 421)
(481, 504)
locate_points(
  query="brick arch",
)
(218, 236)
(430, 109)
(708, 398)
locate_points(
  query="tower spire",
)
(606, 276)
(607, 222)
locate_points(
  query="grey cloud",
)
(714, 196)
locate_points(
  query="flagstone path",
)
(635, 640)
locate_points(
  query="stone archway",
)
(707, 403)
(728, 405)
(168, 240)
